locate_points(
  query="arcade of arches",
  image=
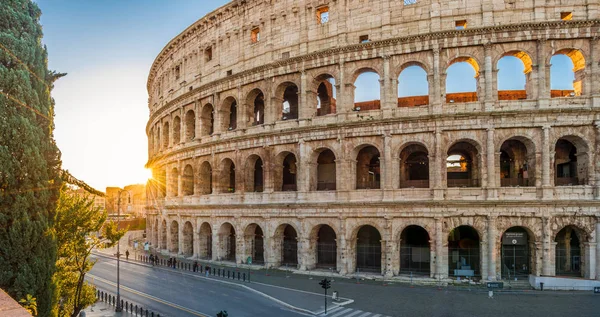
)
(475, 247)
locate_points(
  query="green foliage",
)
(78, 227)
(29, 158)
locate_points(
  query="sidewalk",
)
(102, 309)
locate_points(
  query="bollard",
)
(219, 271)
(126, 305)
(541, 286)
(136, 310)
(227, 273)
(131, 307)
(121, 303)
(146, 313)
(238, 275)
(244, 276)
(152, 314)
(213, 271)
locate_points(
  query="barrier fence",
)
(136, 310)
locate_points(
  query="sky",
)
(107, 48)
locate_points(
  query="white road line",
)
(378, 315)
(188, 310)
(354, 313)
(365, 314)
(342, 312)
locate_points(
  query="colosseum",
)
(265, 152)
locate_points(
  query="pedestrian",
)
(174, 263)
(206, 270)
(152, 259)
(169, 262)
(127, 255)
(195, 266)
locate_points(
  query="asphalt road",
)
(173, 294)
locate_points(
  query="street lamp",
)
(118, 306)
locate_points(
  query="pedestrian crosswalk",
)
(349, 312)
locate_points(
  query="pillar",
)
(491, 233)
(597, 237)
(216, 243)
(387, 162)
(491, 166)
(180, 226)
(547, 194)
(303, 253)
(596, 154)
(159, 240)
(542, 72)
(196, 243)
(488, 78)
(386, 85)
(435, 94)
(304, 168)
(590, 254)
(387, 248)
(547, 265)
(441, 265)
(438, 167)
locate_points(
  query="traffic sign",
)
(495, 285)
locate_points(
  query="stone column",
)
(159, 237)
(597, 237)
(590, 254)
(342, 251)
(491, 232)
(441, 265)
(303, 253)
(169, 239)
(387, 162)
(387, 265)
(240, 248)
(196, 243)
(343, 105)
(546, 187)
(386, 101)
(438, 166)
(179, 236)
(216, 244)
(541, 69)
(547, 266)
(594, 90)
(303, 171)
(488, 77)
(435, 95)
(596, 155)
(303, 104)
(491, 170)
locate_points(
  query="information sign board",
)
(514, 238)
(495, 285)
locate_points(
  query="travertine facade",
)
(259, 150)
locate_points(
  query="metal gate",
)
(415, 260)
(568, 261)
(289, 251)
(463, 261)
(258, 251)
(368, 257)
(515, 261)
(326, 254)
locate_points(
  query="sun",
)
(147, 174)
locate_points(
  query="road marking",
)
(162, 301)
(355, 313)
(365, 314)
(342, 312)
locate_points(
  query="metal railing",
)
(130, 307)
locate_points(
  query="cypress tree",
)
(29, 158)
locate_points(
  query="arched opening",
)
(462, 78)
(326, 247)
(413, 87)
(227, 242)
(567, 71)
(207, 120)
(288, 92)
(326, 95)
(568, 252)
(254, 174)
(367, 91)
(176, 130)
(174, 182)
(258, 107)
(289, 246)
(188, 180)
(205, 178)
(516, 164)
(288, 172)
(227, 178)
(517, 248)
(368, 172)
(368, 250)
(165, 135)
(205, 243)
(415, 256)
(570, 162)
(514, 72)
(188, 239)
(254, 240)
(174, 237)
(190, 125)
(326, 171)
(414, 167)
(228, 115)
(161, 182)
(163, 236)
(462, 168)
(463, 252)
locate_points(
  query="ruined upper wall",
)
(290, 28)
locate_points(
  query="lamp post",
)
(118, 307)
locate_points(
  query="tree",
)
(29, 158)
(77, 226)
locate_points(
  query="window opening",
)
(363, 39)
(208, 54)
(255, 35)
(460, 24)
(566, 16)
(323, 15)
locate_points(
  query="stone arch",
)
(176, 130)
(286, 244)
(515, 94)
(368, 167)
(255, 100)
(163, 235)
(254, 240)
(412, 72)
(188, 239)
(517, 162)
(325, 173)
(173, 186)
(326, 90)
(415, 250)
(227, 242)
(464, 252)
(227, 178)
(323, 243)
(362, 79)
(286, 101)
(254, 174)
(205, 241)
(463, 166)
(190, 125)
(165, 136)
(155, 233)
(207, 120)
(285, 171)
(569, 253)
(188, 181)
(174, 237)
(457, 96)
(205, 178)
(517, 252)
(571, 161)
(578, 59)
(228, 114)
(414, 166)
(368, 249)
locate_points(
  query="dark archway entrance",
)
(368, 250)
(568, 252)
(326, 248)
(516, 253)
(255, 249)
(289, 248)
(414, 251)
(464, 252)
(227, 236)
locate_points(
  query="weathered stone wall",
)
(195, 211)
